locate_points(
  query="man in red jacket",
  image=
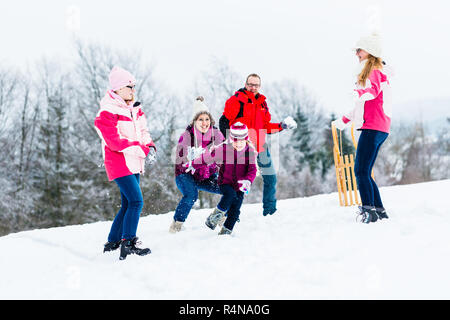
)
(248, 106)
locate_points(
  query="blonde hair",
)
(371, 63)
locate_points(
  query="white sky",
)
(308, 41)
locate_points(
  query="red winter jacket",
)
(251, 110)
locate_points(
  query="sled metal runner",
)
(345, 172)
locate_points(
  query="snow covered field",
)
(310, 249)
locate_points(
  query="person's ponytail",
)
(371, 63)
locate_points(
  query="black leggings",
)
(369, 144)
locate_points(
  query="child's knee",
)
(229, 193)
(190, 197)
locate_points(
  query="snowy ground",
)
(310, 249)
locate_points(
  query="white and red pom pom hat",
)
(239, 131)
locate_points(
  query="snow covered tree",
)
(52, 170)
(301, 140)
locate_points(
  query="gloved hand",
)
(193, 153)
(151, 157)
(190, 169)
(288, 123)
(339, 124)
(244, 186)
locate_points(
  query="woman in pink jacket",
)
(371, 115)
(126, 143)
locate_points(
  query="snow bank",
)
(309, 249)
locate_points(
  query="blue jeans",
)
(126, 221)
(189, 188)
(230, 202)
(269, 177)
(369, 144)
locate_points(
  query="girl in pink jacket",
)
(126, 143)
(371, 115)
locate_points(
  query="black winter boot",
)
(111, 246)
(381, 212)
(368, 214)
(129, 247)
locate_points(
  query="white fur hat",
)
(371, 44)
(199, 107)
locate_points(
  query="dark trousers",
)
(189, 188)
(369, 144)
(231, 203)
(269, 177)
(126, 221)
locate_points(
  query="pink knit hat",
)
(239, 131)
(119, 78)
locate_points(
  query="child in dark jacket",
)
(237, 160)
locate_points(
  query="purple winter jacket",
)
(203, 170)
(234, 165)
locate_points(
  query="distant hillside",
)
(311, 248)
(433, 111)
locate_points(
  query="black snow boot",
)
(129, 247)
(381, 212)
(111, 246)
(367, 214)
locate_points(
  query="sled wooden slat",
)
(345, 172)
(343, 182)
(353, 179)
(348, 179)
(338, 179)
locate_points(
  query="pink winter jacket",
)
(373, 104)
(125, 137)
(190, 138)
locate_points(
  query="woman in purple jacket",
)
(192, 173)
(237, 159)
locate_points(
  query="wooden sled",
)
(345, 173)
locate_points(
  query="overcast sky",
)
(309, 41)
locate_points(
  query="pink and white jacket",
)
(125, 137)
(373, 103)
